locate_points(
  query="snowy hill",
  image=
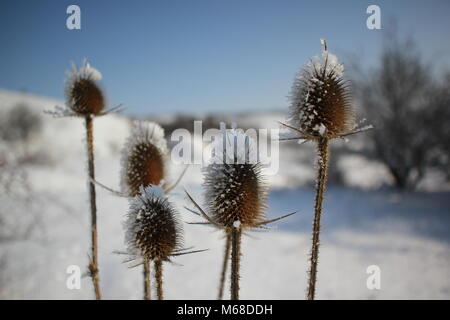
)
(404, 233)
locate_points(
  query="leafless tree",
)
(406, 106)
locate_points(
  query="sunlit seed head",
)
(235, 191)
(83, 95)
(143, 158)
(320, 99)
(153, 230)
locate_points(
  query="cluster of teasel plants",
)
(153, 231)
(235, 189)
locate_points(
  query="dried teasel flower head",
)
(320, 99)
(152, 228)
(83, 95)
(235, 191)
(143, 157)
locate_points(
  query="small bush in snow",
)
(20, 124)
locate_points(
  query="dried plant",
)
(321, 110)
(85, 99)
(153, 232)
(143, 163)
(236, 194)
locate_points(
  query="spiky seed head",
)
(83, 95)
(153, 230)
(320, 98)
(143, 157)
(235, 190)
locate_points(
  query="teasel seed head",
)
(83, 95)
(320, 99)
(143, 158)
(235, 191)
(153, 231)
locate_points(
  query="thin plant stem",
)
(226, 257)
(322, 162)
(235, 261)
(93, 264)
(146, 272)
(159, 279)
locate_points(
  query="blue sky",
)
(200, 55)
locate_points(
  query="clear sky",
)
(199, 55)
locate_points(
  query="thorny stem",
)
(226, 256)
(93, 264)
(235, 260)
(146, 272)
(323, 153)
(158, 278)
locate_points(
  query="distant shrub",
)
(20, 123)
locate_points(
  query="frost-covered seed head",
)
(83, 95)
(320, 98)
(235, 191)
(153, 230)
(143, 158)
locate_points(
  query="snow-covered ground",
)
(406, 234)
